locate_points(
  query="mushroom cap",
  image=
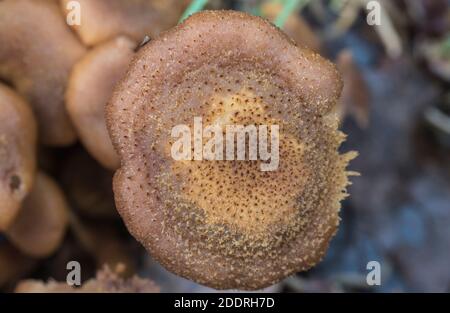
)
(91, 84)
(18, 136)
(102, 20)
(227, 224)
(37, 52)
(40, 226)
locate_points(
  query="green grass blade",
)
(194, 7)
(289, 7)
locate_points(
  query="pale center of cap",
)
(237, 193)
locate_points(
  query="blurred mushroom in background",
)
(37, 52)
(91, 84)
(40, 226)
(18, 136)
(102, 20)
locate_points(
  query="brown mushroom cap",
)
(226, 224)
(18, 136)
(37, 52)
(90, 87)
(103, 20)
(40, 226)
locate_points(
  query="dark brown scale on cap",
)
(37, 51)
(227, 224)
(18, 136)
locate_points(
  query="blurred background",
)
(395, 110)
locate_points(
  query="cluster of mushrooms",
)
(224, 224)
(55, 80)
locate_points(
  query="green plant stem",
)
(446, 47)
(289, 7)
(194, 7)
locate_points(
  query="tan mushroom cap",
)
(227, 224)
(90, 87)
(103, 20)
(40, 226)
(18, 136)
(37, 52)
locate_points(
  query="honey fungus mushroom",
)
(37, 52)
(39, 228)
(227, 224)
(102, 20)
(90, 86)
(18, 134)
